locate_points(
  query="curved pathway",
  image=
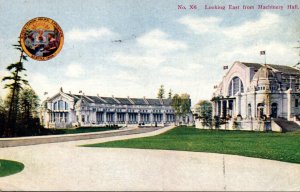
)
(35, 140)
(64, 166)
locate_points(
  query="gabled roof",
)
(167, 101)
(285, 69)
(138, 101)
(154, 102)
(253, 65)
(97, 100)
(73, 96)
(277, 68)
(110, 100)
(117, 100)
(124, 101)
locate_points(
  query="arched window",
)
(236, 85)
(60, 105)
(66, 106)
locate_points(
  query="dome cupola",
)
(264, 73)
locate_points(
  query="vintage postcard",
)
(149, 95)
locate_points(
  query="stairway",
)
(287, 126)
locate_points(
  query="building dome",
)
(264, 79)
(264, 73)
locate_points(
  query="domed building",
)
(256, 96)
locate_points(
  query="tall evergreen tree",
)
(170, 94)
(28, 116)
(161, 92)
(15, 82)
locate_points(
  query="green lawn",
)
(10, 167)
(276, 146)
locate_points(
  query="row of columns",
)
(221, 107)
(133, 117)
(58, 117)
(252, 109)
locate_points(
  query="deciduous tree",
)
(204, 111)
(181, 104)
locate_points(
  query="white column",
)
(104, 117)
(213, 108)
(126, 118)
(115, 117)
(254, 107)
(227, 107)
(221, 111)
(151, 118)
(164, 117)
(139, 117)
(289, 104)
(238, 104)
(268, 105)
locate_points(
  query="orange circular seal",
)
(41, 38)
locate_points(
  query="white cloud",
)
(157, 40)
(172, 71)
(188, 70)
(138, 61)
(75, 70)
(38, 79)
(89, 34)
(201, 25)
(267, 22)
(126, 76)
(276, 53)
(244, 41)
(153, 48)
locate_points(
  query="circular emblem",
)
(41, 38)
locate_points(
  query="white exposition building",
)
(65, 110)
(256, 96)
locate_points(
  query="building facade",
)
(65, 110)
(253, 96)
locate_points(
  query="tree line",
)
(181, 103)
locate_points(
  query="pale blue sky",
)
(182, 49)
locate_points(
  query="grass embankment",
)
(8, 167)
(275, 146)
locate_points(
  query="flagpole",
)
(264, 53)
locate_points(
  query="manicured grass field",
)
(276, 146)
(8, 167)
